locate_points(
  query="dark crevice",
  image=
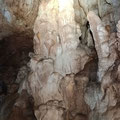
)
(14, 50)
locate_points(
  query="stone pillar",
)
(57, 58)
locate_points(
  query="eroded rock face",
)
(108, 55)
(105, 9)
(72, 65)
(75, 67)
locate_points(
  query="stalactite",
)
(101, 38)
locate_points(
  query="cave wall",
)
(72, 63)
(71, 68)
(17, 16)
(16, 41)
(75, 69)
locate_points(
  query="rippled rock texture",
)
(75, 67)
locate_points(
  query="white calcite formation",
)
(56, 60)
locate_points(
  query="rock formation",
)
(56, 60)
(74, 71)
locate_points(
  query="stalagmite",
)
(56, 42)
